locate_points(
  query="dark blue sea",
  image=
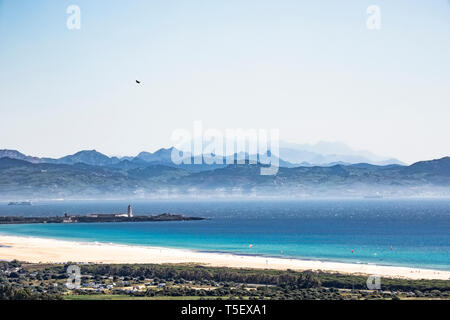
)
(413, 233)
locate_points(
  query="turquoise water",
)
(417, 230)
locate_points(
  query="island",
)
(97, 217)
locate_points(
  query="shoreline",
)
(46, 250)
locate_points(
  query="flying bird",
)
(138, 82)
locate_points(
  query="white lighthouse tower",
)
(130, 211)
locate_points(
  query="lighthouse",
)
(130, 211)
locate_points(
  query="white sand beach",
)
(42, 250)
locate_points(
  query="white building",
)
(129, 213)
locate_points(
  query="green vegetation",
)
(125, 297)
(188, 281)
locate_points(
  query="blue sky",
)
(309, 68)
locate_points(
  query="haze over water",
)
(417, 230)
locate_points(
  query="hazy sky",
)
(310, 68)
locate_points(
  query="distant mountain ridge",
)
(324, 153)
(138, 178)
(162, 156)
(14, 154)
(91, 157)
(288, 158)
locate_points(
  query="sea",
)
(395, 232)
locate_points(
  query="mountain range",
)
(90, 174)
(329, 153)
(143, 159)
(289, 155)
